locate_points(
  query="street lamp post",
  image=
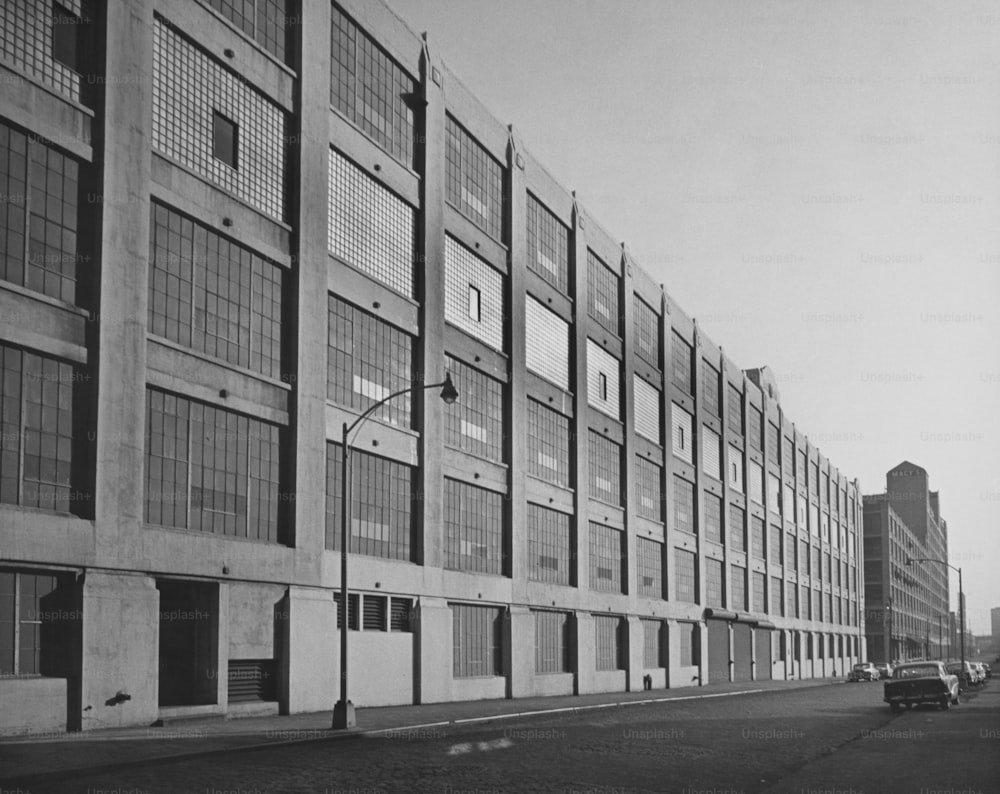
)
(343, 710)
(961, 604)
(888, 642)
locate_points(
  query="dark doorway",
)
(188, 643)
(742, 653)
(762, 641)
(718, 651)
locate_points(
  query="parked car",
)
(980, 669)
(884, 669)
(863, 671)
(989, 670)
(921, 682)
(966, 676)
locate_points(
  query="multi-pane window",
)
(550, 546)
(189, 87)
(757, 537)
(684, 576)
(475, 422)
(473, 180)
(713, 518)
(773, 493)
(773, 443)
(212, 470)
(734, 468)
(548, 444)
(603, 378)
(710, 453)
(605, 457)
(755, 430)
(787, 455)
(788, 503)
(790, 551)
(683, 372)
(654, 635)
(37, 455)
(647, 409)
(213, 295)
(552, 642)
(261, 20)
(759, 595)
(649, 489)
(609, 636)
(367, 360)
(827, 567)
(473, 294)
(36, 623)
(791, 601)
(602, 293)
(710, 389)
(370, 88)
(646, 340)
(776, 599)
(814, 479)
(738, 587)
(383, 522)
(606, 558)
(756, 484)
(546, 343)
(817, 605)
(683, 505)
(814, 562)
(39, 207)
(477, 641)
(801, 517)
(369, 227)
(803, 557)
(737, 528)
(649, 565)
(800, 466)
(714, 584)
(689, 644)
(548, 245)
(775, 551)
(824, 526)
(813, 519)
(734, 410)
(473, 528)
(680, 427)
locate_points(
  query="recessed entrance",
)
(189, 643)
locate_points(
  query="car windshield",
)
(916, 671)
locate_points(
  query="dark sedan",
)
(921, 682)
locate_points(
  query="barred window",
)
(649, 489)
(775, 551)
(713, 518)
(605, 469)
(683, 505)
(606, 558)
(546, 343)
(477, 641)
(685, 584)
(465, 274)
(680, 426)
(609, 635)
(735, 410)
(737, 528)
(683, 372)
(367, 360)
(370, 88)
(756, 482)
(654, 643)
(734, 468)
(213, 295)
(39, 206)
(714, 585)
(759, 595)
(755, 429)
(738, 586)
(647, 332)
(773, 494)
(776, 599)
(689, 644)
(189, 86)
(710, 389)
(474, 528)
(602, 293)
(603, 378)
(474, 180)
(552, 642)
(550, 546)
(647, 409)
(383, 521)
(711, 463)
(369, 227)
(474, 424)
(548, 444)
(548, 245)
(212, 470)
(757, 537)
(649, 555)
(39, 446)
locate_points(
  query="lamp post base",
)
(343, 716)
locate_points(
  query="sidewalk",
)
(24, 759)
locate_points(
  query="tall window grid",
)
(36, 623)
(605, 457)
(757, 537)
(654, 643)
(609, 635)
(649, 566)
(737, 528)
(474, 424)
(603, 379)
(26, 40)
(39, 209)
(682, 370)
(734, 410)
(261, 20)
(548, 245)
(473, 180)
(777, 602)
(755, 429)
(37, 441)
(465, 274)
(370, 88)
(738, 587)
(647, 409)
(773, 444)
(710, 389)
(546, 343)
(213, 295)
(474, 528)
(713, 518)
(775, 550)
(680, 429)
(714, 584)
(759, 592)
(685, 583)
(383, 522)
(711, 461)
(369, 227)
(603, 288)
(550, 546)
(649, 489)
(646, 340)
(548, 444)
(607, 556)
(552, 642)
(683, 505)
(367, 360)
(477, 641)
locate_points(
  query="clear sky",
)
(818, 183)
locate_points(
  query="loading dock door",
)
(718, 651)
(762, 641)
(742, 658)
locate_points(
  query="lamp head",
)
(448, 392)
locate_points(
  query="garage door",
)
(718, 651)
(762, 641)
(742, 667)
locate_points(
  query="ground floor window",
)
(36, 621)
(552, 642)
(609, 631)
(477, 633)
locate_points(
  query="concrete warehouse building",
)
(228, 229)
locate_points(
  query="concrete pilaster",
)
(310, 660)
